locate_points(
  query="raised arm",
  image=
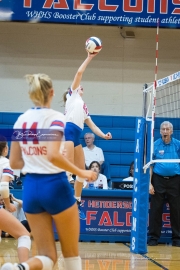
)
(97, 130)
(77, 79)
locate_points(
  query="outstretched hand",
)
(108, 136)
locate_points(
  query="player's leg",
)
(69, 236)
(41, 226)
(69, 146)
(79, 161)
(10, 224)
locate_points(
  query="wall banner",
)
(99, 12)
(113, 217)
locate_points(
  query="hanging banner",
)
(99, 12)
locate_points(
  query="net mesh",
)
(162, 104)
(168, 100)
(166, 96)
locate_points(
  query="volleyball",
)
(93, 45)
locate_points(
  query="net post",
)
(140, 199)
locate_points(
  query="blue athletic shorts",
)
(72, 133)
(49, 193)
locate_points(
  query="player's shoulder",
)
(56, 114)
(57, 117)
(23, 115)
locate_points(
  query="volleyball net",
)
(161, 102)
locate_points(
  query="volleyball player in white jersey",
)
(8, 222)
(47, 194)
(77, 114)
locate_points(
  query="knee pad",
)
(73, 263)
(24, 241)
(47, 263)
(79, 179)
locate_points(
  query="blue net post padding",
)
(140, 193)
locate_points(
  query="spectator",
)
(165, 182)
(131, 173)
(94, 153)
(101, 181)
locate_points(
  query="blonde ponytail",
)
(39, 86)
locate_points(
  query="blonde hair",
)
(39, 86)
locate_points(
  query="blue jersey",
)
(169, 150)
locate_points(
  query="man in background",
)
(165, 183)
(94, 153)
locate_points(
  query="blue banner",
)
(113, 216)
(99, 12)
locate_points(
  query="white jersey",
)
(34, 153)
(76, 110)
(5, 168)
(95, 154)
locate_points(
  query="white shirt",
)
(95, 154)
(76, 110)
(35, 155)
(101, 180)
(130, 178)
(5, 168)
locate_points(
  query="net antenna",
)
(153, 98)
(161, 99)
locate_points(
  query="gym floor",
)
(106, 256)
